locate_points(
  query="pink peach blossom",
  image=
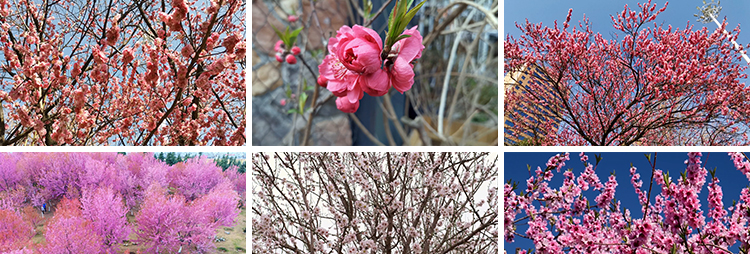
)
(358, 48)
(337, 74)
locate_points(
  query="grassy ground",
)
(234, 240)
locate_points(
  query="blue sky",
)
(731, 180)
(677, 14)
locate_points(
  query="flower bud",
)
(278, 57)
(292, 18)
(296, 50)
(291, 59)
(322, 81)
(277, 46)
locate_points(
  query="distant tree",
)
(171, 159)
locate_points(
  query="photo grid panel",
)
(135, 202)
(626, 202)
(375, 202)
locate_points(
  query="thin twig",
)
(648, 200)
(396, 122)
(446, 80)
(434, 33)
(365, 131)
(382, 8)
(312, 114)
(388, 133)
(461, 77)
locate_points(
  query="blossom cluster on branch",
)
(122, 72)
(375, 203)
(354, 65)
(647, 85)
(564, 220)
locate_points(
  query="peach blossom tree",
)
(375, 203)
(650, 84)
(122, 72)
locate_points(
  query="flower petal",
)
(355, 93)
(402, 75)
(368, 33)
(345, 106)
(376, 84)
(411, 47)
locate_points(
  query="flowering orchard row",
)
(673, 220)
(375, 203)
(174, 208)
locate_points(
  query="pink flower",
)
(353, 66)
(282, 102)
(292, 18)
(401, 73)
(358, 48)
(340, 79)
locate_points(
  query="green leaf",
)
(293, 36)
(302, 100)
(288, 92)
(412, 12)
(278, 33)
(294, 110)
(368, 8)
(400, 37)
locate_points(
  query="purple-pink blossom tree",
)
(161, 219)
(14, 231)
(68, 232)
(168, 222)
(106, 210)
(194, 177)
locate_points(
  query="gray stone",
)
(272, 125)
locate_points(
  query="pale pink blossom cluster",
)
(375, 202)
